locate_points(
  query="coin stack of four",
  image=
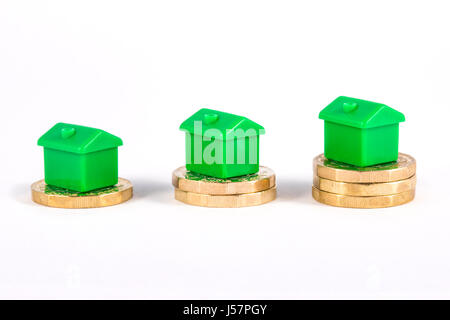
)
(250, 190)
(380, 186)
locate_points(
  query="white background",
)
(139, 68)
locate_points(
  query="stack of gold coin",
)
(380, 186)
(200, 190)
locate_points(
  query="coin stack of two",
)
(250, 190)
(380, 186)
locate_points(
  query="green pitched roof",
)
(360, 113)
(78, 139)
(226, 123)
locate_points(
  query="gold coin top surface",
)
(226, 201)
(403, 168)
(63, 198)
(193, 182)
(364, 189)
(339, 200)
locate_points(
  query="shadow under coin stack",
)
(380, 186)
(200, 190)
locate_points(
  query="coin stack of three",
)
(250, 190)
(380, 186)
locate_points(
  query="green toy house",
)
(361, 133)
(221, 145)
(80, 158)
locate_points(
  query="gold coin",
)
(198, 183)
(403, 168)
(226, 201)
(339, 200)
(364, 189)
(63, 198)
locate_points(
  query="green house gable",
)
(220, 144)
(78, 139)
(80, 158)
(360, 113)
(226, 123)
(359, 132)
